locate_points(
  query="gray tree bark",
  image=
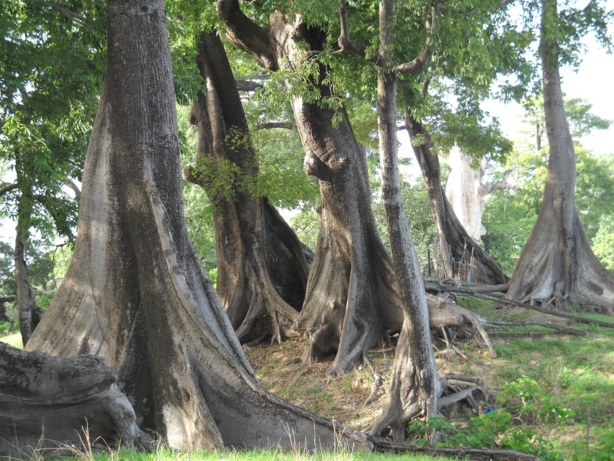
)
(48, 404)
(414, 384)
(454, 240)
(351, 298)
(262, 271)
(557, 262)
(30, 314)
(135, 292)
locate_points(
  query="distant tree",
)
(50, 77)
(557, 262)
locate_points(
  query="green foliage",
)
(419, 217)
(603, 243)
(533, 403)
(306, 224)
(525, 406)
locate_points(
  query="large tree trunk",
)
(262, 272)
(135, 292)
(29, 313)
(48, 404)
(454, 241)
(414, 384)
(351, 299)
(557, 262)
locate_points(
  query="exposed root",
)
(377, 382)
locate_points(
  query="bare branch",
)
(246, 34)
(66, 12)
(346, 44)
(509, 181)
(248, 85)
(287, 125)
(70, 183)
(419, 63)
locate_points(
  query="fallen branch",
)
(459, 289)
(377, 381)
(381, 444)
(560, 328)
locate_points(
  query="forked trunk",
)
(262, 272)
(351, 300)
(414, 384)
(454, 241)
(135, 292)
(557, 263)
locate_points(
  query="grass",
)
(556, 390)
(14, 339)
(257, 455)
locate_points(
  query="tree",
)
(262, 271)
(350, 300)
(454, 242)
(414, 387)
(467, 188)
(48, 81)
(557, 262)
(135, 293)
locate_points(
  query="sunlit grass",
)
(258, 455)
(13, 339)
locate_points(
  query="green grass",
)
(13, 339)
(256, 455)
(533, 380)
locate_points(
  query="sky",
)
(592, 82)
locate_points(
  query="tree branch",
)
(346, 44)
(419, 63)
(66, 12)
(287, 125)
(246, 34)
(248, 85)
(7, 189)
(412, 67)
(508, 182)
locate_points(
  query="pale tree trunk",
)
(455, 242)
(29, 313)
(557, 263)
(466, 190)
(414, 384)
(135, 292)
(262, 271)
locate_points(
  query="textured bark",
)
(48, 404)
(455, 242)
(351, 299)
(29, 313)
(262, 271)
(135, 292)
(414, 384)
(557, 262)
